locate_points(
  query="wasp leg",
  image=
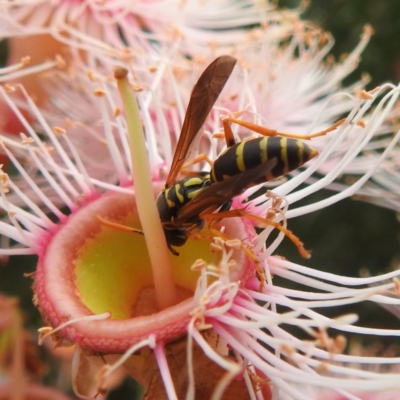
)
(125, 228)
(229, 138)
(249, 253)
(224, 208)
(192, 174)
(199, 158)
(241, 213)
(115, 225)
(272, 132)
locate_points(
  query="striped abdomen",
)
(290, 153)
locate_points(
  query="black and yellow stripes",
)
(174, 197)
(180, 205)
(290, 153)
(183, 203)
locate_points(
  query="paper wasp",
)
(242, 165)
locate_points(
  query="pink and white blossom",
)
(94, 285)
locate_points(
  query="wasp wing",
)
(215, 195)
(202, 99)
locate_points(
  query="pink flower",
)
(94, 284)
(122, 29)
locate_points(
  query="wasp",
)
(183, 203)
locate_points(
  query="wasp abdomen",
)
(290, 154)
